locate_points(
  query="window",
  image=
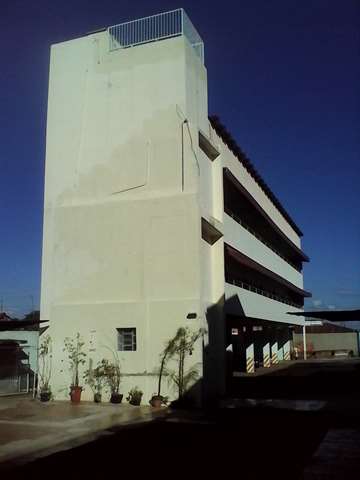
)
(126, 339)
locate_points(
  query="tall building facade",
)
(153, 217)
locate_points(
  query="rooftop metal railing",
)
(157, 27)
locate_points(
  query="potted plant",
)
(95, 378)
(157, 400)
(134, 396)
(45, 366)
(112, 375)
(76, 356)
(184, 343)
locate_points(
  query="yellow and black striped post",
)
(266, 356)
(274, 354)
(286, 347)
(250, 360)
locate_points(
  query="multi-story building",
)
(154, 218)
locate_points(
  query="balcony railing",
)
(264, 293)
(259, 237)
(165, 25)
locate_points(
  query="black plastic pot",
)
(97, 397)
(45, 396)
(116, 397)
(136, 401)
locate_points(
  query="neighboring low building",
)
(18, 355)
(153, 216)
(327, 340)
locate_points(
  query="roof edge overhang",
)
(262, 212)
(16, 324)
(239, 154)
(332, 315)
(254, 321)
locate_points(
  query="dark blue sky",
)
(283, 76)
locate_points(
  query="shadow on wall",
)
(217, 361)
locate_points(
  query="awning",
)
(18, 324)
(248, 262)
(332, 315)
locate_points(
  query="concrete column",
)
(280, 354)
(274, 354)
(250, 360)
(286, 349)
(304, 339)
(267, 355)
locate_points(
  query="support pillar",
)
(250, 360)
(266, 355)
(286, 349)
(274, 354)
(304, 339)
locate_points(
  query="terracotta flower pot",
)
(156, 401)
(75, 394)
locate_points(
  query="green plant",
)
(134, 396)
(76, 356)
(112, 374)
(183, 345)
(95, 378)
(165, 355)
(45, 364)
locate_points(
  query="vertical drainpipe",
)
(304, 339)
(182, 156)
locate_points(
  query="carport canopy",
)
(331, 315)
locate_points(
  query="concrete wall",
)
(122, 225)
(329, 341)
(126, 187)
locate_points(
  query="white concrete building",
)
(151, 214)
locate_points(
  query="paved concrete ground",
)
(29, 428)
(338, 456)
(330, 386)
(300, 421)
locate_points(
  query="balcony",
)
(243, 271)
(244, 207)
(241, 237)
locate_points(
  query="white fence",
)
(157, 27)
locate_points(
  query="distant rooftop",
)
(174, 23)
